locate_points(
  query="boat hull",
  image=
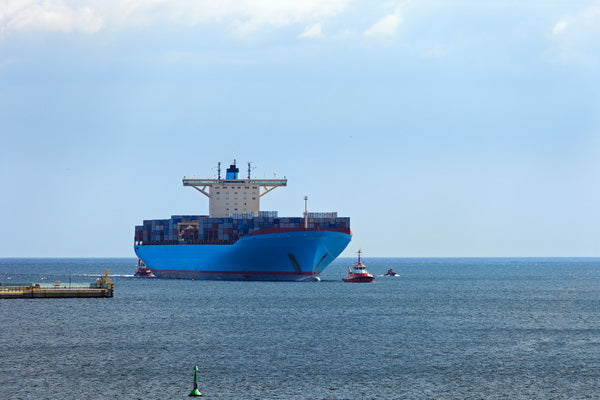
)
(358, 279)
(143, 273)
(285, 256)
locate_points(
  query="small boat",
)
(143, 271)
(390, 272)
(358, 273)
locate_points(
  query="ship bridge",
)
(233, 195)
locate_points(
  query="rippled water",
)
(445, 328)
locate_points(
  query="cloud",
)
(312, 32)
(48, 16)
(385, 27)
(560, 27)
(577, 37)
(91, 16)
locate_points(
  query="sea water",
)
(442, 329)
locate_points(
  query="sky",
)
(443, 128)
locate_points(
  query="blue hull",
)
(289, 256)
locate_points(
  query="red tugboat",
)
(143, 271)
(358, 273)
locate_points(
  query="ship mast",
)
(305, 212)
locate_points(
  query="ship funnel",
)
(233, 172)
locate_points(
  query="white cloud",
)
(577, 37)
(256, 14)
(90, 16)
(48, 16)
(385, 27)
(560, 27)
(312, 32)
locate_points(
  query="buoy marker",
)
(195, 392)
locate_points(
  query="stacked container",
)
(201, 229)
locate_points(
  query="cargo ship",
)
(238, 241)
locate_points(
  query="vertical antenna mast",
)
(219, 170)
(305, 212)
(249, 170)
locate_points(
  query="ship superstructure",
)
(233, 195)
(239, 241)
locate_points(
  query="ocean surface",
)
(444, 329)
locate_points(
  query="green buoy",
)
(195, 392)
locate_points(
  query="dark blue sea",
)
(443, 329)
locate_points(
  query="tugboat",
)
(390, 272)
(358, 273)
(143, 271)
